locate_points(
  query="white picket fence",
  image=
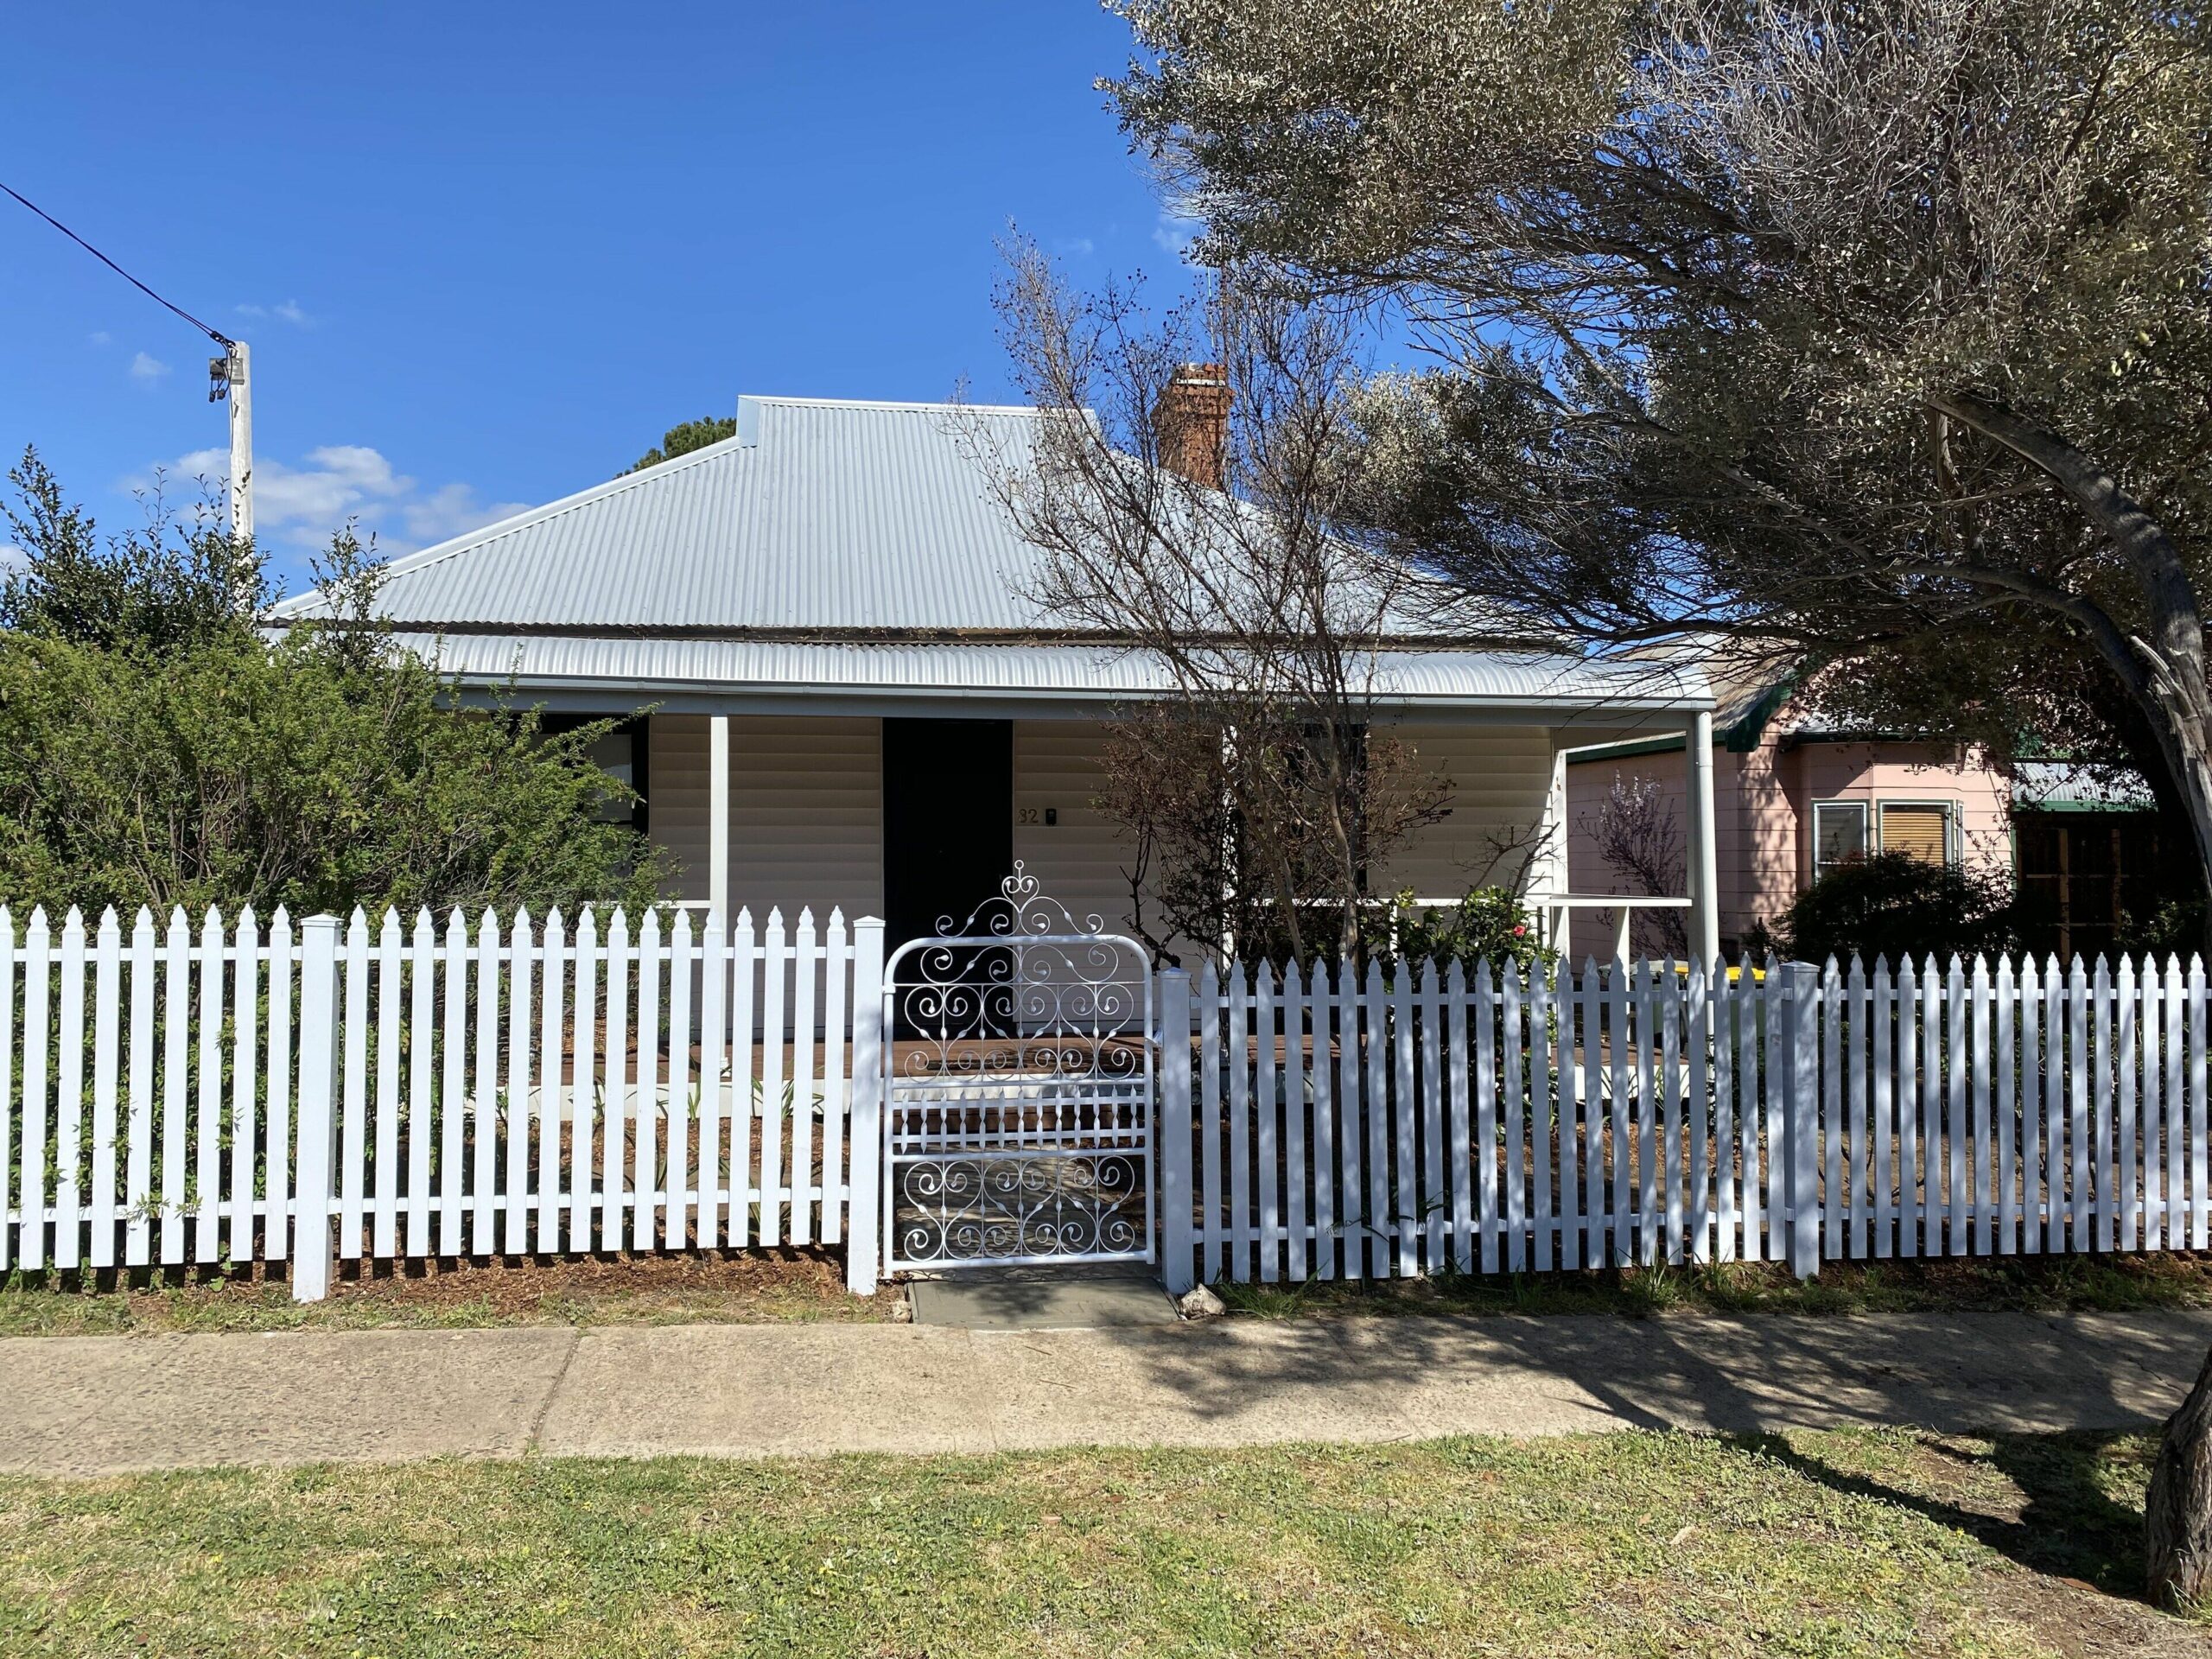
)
(171, 1098)
(178, 1096)
(1342, 1127)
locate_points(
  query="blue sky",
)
(486, 253)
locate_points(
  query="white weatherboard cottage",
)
(853, 703)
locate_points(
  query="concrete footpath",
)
(93, 1405)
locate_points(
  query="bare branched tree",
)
(1640, 840)
(1194, 517)
(1168, 784)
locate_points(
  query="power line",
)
(215, 334)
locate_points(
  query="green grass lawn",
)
(1636, 1543)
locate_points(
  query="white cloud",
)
(1174, 232)
(1075, 247)
(12, 558)
(101, 337)
(146, 369)
(289, 312)
(301, 505)
(452, 509)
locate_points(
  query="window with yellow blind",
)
(1919, 829)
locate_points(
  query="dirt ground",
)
(752, 1286)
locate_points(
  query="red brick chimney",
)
(1192, 424)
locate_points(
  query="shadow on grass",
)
(2078, 1513)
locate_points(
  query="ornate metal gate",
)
(1018, 1089)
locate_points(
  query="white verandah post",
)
(718, 816)
(1704, 860)
(1549, 871)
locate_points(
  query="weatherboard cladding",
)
(831, 519)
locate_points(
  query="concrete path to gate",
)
(94, 1405)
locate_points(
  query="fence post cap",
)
(1174, 973)
(322, 919)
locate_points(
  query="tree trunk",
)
(2170, 692)
(2183, 724)
(2177, 1517)
(2165, 675)
(1286, 892)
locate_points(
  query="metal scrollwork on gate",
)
(1017, 1099)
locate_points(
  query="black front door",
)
(948, 822)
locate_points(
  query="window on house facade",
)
(615, 755)
(1839, 834)
(620, 754)
(1919, 829)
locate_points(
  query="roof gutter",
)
(758, 635)
(719, 697)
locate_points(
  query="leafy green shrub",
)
(240, 772)
(1894, 905)
(157, 747)
(2174, 927)
(1489, 925)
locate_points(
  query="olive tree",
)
(1878, 328)
(1851, 326)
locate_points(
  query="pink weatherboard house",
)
(1792, 799)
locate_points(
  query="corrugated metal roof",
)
(2061, 787)
(819, 523)
(817, 514)
(638, 666)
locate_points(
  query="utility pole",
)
(230, 376)
(227, 376)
